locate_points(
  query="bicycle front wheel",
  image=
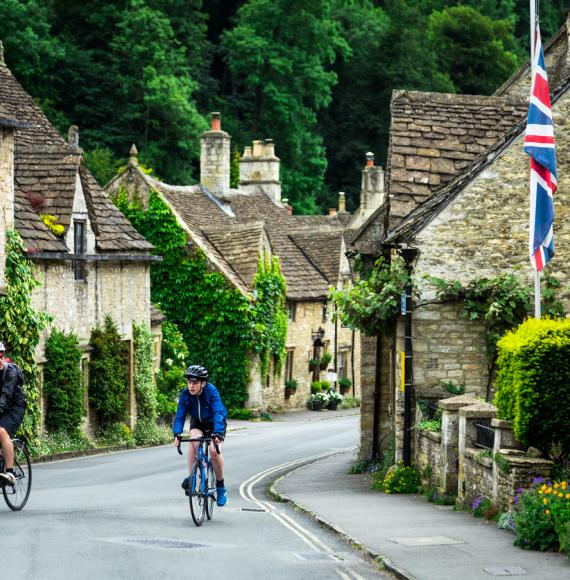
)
(17, 496)
(198, 494)
(211, 501)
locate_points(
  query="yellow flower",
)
(568, 496)
(563, 484)
(543, 488)
(545, 501)
(547, 512)
(556, 486)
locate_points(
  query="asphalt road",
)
(123, 515)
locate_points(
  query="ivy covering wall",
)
(220, 326)
(22, 325)
(145, 388)
(108, 373)
(63, 384)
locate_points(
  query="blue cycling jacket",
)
(206, 407)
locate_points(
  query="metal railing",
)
(485, 434)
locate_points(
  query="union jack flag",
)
(539, 145)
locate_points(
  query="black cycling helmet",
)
(196, 372)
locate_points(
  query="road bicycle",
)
(17, 495)
(202, 491)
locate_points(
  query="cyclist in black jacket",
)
(12, 409)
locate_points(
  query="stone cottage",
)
(235, 227)
(457, 208)
(100, 265)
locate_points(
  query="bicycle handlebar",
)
(205, 439)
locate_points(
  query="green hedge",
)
(533, 382)
(63, 382)
(108, 373)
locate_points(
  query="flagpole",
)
(537, 312)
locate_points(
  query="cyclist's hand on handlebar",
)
(177, 439)
(217, 437)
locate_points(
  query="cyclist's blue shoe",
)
(222, 496)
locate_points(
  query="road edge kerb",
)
(352, 541)
(101, 451)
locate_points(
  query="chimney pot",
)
(216, 121)
(341, 202)
(370, 159)
(258, 148)
(332, 211)
(73, 136)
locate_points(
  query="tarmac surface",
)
(415, 539)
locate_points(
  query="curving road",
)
(123, 515)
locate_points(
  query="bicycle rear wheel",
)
(211, 500)
(198, 494)
(17, 496)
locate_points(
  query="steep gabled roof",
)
(425, 213)
(45, 164)
(324, 249)
(434, 136)
(244, 220)
(242, 246)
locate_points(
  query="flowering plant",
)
(316, 400)
(542, 515)
(334, 396)
(402, 480)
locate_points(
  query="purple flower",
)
(475, 505)
(537, 481)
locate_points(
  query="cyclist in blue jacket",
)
(201, 400)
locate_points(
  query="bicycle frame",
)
(202, 493)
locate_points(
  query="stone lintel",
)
(455, 403)
(480, 410)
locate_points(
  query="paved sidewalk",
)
(416, 539)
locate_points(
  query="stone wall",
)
(428, 457)
(484, 231)
(477, 473)
(6, 193)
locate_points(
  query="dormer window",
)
(79, 248)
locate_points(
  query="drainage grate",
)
(506, 571)
(162, 543)
(317, 556)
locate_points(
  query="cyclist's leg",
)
(7, 447)
(217, 461)
(192, 450)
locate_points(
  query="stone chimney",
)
(372, 190)
(341, 202)
(259, 167)
(7, 127)
(215, 158)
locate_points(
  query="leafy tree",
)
(102, 163)
(475, 51)
(278, 55)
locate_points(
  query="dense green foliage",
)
(145, 387)
(63, 382)
(171, 379)
(532, 382)
(372, 304)
(22, 326)
(220, 326)
(108, 373)
(270, 315)
(317, 77)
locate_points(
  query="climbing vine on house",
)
(270, 315)
(372, 304)
(108, 379)
(22, 326)
(145, 387)
(63, 382)
(219, 324)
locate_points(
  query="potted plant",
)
(334, 399)
(316, 387)
(314, 364)
(290, 387)
(325, 386)
(325, 360)
(344, 385)
(316, 401)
